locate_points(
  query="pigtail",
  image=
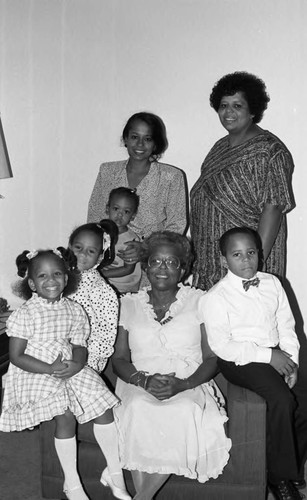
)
(69, 258)
(73, 273)
(110, 237)
(21, 287)
(22, 263)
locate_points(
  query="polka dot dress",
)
(101, 305)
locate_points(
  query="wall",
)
(72, 71)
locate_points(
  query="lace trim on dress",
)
(44, 301)
(174, 307)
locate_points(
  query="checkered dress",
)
(31, 398)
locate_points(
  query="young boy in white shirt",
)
(250, 328)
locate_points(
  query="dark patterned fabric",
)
(233, 188)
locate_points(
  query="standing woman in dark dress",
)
(245, 181)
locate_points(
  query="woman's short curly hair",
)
(180, 242)
(252, 87)
(157, 127)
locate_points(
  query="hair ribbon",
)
(57, 252)
(106, 242)
(32, 254)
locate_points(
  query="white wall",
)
(72, 71)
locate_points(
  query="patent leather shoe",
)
(300, 484)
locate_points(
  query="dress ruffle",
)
(181, 296)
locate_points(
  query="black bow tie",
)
(247, 283)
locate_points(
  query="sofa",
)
(244, 477)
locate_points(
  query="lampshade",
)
(5, 166)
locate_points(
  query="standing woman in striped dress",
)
(245, 181)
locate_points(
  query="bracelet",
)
(146, 382)
(140, 378)
(132, 375)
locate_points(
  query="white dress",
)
(185, 434)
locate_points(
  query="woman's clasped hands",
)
(164, 386)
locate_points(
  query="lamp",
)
(5, 165)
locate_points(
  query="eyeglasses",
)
(171, 262)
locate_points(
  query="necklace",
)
(162, 307)
(160, 311)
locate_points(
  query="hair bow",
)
(57, 252)
(32, 254)
(106, 242)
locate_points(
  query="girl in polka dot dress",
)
(94, 247)
(47, 377)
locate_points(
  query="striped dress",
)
(234, 185)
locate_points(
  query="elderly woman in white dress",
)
(171, 420)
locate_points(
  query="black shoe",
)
(300, 484)
(284, 490)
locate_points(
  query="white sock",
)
(67, 453)
(107, 439)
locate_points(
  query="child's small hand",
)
(58, 365)
(132, 252)
(282, 362)
(71, 368)
(291, 379)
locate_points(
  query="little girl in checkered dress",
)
(47, 376)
